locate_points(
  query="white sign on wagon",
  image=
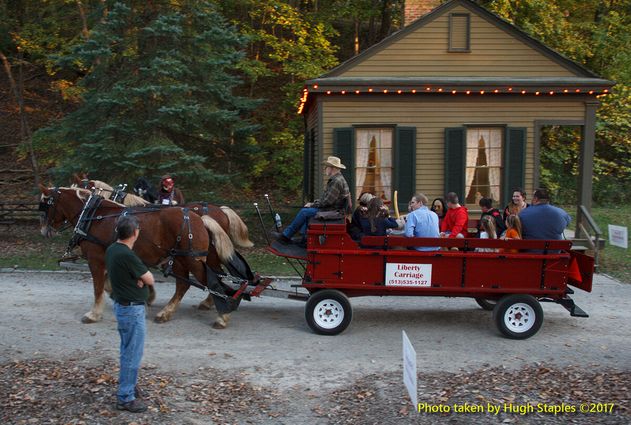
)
(407, 274)
(409, 369)
(618, 236)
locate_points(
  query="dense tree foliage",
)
(157, 95)
(596, 34)
(209, 88)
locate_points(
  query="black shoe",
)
(134, 406)
(280, 238)
(138, 393)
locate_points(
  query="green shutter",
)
(514, 161)
(344, 149)
(455, 160)
(405, 165)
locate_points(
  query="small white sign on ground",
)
(618, 236)
(409, 369)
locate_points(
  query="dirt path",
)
(269, 350)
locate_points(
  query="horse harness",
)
(214, 279)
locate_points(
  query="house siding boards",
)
(424, 52)
(431, 115)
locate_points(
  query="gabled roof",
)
(495, 20)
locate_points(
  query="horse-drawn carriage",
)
(198, 239)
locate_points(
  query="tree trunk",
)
(84, 21)
(386, 20)
(25, 128)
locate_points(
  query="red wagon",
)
(512, 282)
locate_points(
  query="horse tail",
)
(132, 200)
(221, 241)
(238, 229)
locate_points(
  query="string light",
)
(305, 92)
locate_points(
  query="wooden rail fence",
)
(13, 212)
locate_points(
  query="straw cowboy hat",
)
(334, 161)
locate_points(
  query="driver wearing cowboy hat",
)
(335, 197)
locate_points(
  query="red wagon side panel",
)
(335, 261)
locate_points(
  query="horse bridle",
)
(47, 208)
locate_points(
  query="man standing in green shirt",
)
(130, 280)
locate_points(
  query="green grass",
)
(614, 261)
(23, 247)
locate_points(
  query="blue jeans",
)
(300, 222)
(132, 330)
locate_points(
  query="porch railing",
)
(590, 234)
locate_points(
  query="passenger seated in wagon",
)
(355, 227)
(455, 223)
(376, 220)
(421, 222)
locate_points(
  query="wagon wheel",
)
(518, 316)
(328, 312)
(486, 304)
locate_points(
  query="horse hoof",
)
(219, 325)
(87, 319)
(161, 319)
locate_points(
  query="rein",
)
(88, 215)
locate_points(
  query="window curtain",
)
(495, 161)
(492, 138)
(363, 137)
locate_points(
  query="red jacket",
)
(455, 221)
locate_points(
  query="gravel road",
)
(269, 345)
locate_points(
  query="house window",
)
(373, 161)
(483, 171)
(459, 32)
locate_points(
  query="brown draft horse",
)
(162, 230)
(225, 216)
